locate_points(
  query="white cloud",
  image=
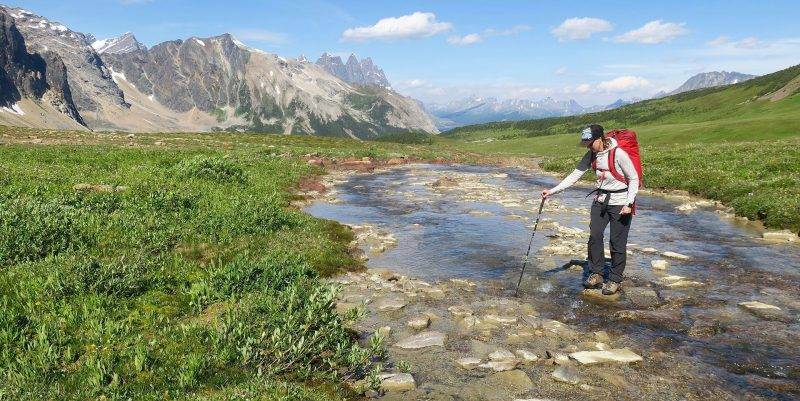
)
(748, 43)
(653, 32)
(416, 25)
(719, 41)
(624, 84)
(464, 40)
(261, 35)
(561, 71)
(580, 28)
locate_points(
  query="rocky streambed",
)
(709, 309)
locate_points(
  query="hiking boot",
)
(593, 281)
(610, 287)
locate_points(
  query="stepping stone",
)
(397, 382)
(649, 250)
(526, 356)
(620, 355)
(422, 340)
(501, 355)
(566, 374)
(597, 295)
(468, 363)
(500, 366)
(390, 304)
(766, 311)
(496, 319)
(419, 322)
(659, 264)
(685, 283)
(675, 255)
(460, 310)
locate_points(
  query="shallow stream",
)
(475, 222)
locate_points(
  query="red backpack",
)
(626, 140)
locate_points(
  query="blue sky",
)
(591, 51)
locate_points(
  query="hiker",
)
(614, 198)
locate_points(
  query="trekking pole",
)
(525, 262)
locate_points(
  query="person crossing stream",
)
(443, 247)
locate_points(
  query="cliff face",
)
(24, 75)
(198, 84)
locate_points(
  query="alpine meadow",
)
(198, 211)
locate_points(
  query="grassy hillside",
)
(165, 266)
(731, 112)
(733, 144)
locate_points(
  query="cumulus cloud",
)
(653, 32)
(261, 35)
(580, 28)
(464, 40)
(624, 84)
(416, 25)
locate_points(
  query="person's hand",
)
(545, 193)
(626, 210)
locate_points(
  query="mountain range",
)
(54, 77)
(479, 110)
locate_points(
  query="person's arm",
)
(575, 175)
(630, 173)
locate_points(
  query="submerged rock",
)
(422, 340)
(500, 386)
(621, 355)
(390, 304)
(642, 297)
(659, 264)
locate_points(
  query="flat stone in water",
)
(468, 363)
(526, 356)
(566, 374)
(659, 264)
(397, 382)
(497, 319)
(766, 311)
(419, 322)
(422, 340)
(675, 255)
(596, 294)
(784, 235)
(500, 366)
(501, 355)
(621, 355)
(390, 304)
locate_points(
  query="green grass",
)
(722, 143)
(186, 277)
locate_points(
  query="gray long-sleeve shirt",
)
(605, 180)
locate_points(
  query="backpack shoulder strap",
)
(612, 166)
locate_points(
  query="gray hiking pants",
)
(601, 216)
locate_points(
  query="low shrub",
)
(213, 168)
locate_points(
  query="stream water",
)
(478, 227)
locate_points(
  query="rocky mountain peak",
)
(712, 79)
(363, 72)
(123, 44)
